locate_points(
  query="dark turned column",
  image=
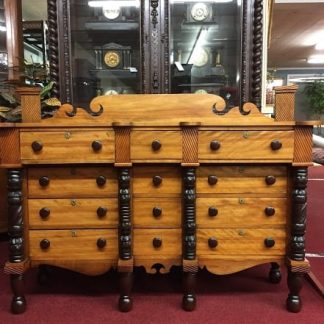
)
(189, 238)
(125, 239)
(297, 244)
(16, 239)
(275, 274)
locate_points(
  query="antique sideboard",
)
(158, 181)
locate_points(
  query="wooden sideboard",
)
(158, 181)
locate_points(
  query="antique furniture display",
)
(157, 181)
(161, 46)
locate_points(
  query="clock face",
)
(111, 12)
(111, 92)
(200, 58)
(112, 59)
(200, 11)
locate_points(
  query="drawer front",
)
(153, 212)
(87, 146)
(246, 145)
(157, 242)
(156, 145)
(156, 181)
(72, 213)
(72, 182)
(230, 212)
(73, 244)
(241, 241)
(242, 180)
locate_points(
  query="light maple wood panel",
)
(72, 213)
(72, 182)
(242, 180)
(143, 180)
(246, 145)
(58, 145)
(73, 244)
(241, 241)
(232, 212)
(170, 212)
(143, 242)
(141, 145)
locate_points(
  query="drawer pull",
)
(156, 145)
(212, 211)
(212, 180)
(37, 146)
(269, 211)
(157, 180)
(101, 242)
(44, 244)
(101, 181)
(276, 145)
(157, 242)
(96, 146)
(270, 180)
(44, 181)
(157, 211)
(44, 213)
(102, 212)
(212, 242)
(269, 242)
(215, 145)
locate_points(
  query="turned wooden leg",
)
(18, 303)
(295, 284)
(125, 286)
(189, 287)
(275, 273)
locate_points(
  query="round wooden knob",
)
(96, 145)
(44, 212)
(102, 211)
(156, 145)
(269, 211)
(101, 242)
(212, 242)
(157, 211)
(101, 181)
(212, 180)
(44, 181)
(157, 242)
(37, 146)
(269, 242)
(212, 211)
(215, 145)
(44, 244)
(157, 180)
(276, 145)
(270, 180)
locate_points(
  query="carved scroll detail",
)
(124, 205)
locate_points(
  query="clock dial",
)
(111, 12)
(112, 59)
(200, 58)
(200, 11)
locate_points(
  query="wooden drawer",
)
(240, 241)
(246, 145)
(72, 213)
(153, 212)
(157, 242)
(73, 244)
(151, 181)
(56, 146)
(72, 182)
(231, 212)
(269, 180)
(156, 145)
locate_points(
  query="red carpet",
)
(245, 297)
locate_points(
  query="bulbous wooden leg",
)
(275, 274)
(295, 284)
(125, 285)
(18, 303)
(189, 285)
